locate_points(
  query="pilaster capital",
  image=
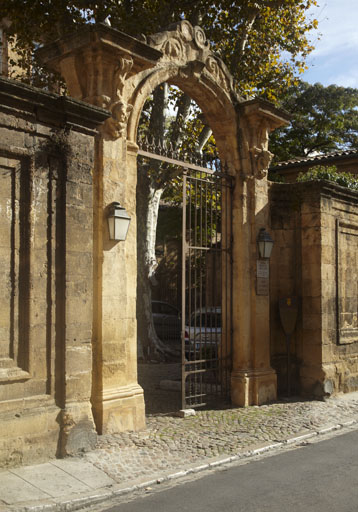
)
(96, 62)
(257, 119)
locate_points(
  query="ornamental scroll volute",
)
(106, 91)
(260, 155)
(115, 126)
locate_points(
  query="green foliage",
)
(183, 132)
(169, 222)
(329, 173)
(324, 119)
(250, 36)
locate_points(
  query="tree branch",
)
(183, 111)
(203, 138)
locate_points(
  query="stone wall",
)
(46, 276)
(315, 228)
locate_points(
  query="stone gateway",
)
(68, 360)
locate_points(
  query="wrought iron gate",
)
(206, 275)
(206, 285)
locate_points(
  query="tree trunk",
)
(152, 180)
(148, 199)
(204, 137)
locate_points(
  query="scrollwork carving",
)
(125, 65)
(108, 87)
(181, 42)
(173, 48)
(186, 30)
(200, 38)
(216, 68)
(261, 159)
(116, 125)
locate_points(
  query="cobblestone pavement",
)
(171, 443)
(171, 447)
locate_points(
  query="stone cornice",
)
(259, 108)
(100, 64)
(95, 36)
(96, 62)
(50, 108)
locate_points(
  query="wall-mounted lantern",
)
(118, 222)
(264, 244)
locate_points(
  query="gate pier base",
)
(253, 387)
(119, 409)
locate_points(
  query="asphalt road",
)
(317, 477)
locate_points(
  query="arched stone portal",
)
(109, 69)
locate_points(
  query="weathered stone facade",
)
(68, 360)
(315, 227)
(46, 255)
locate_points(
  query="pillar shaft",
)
(253, 381)
(117, 399)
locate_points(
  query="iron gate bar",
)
(183, 290)
(180, 163)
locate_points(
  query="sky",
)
(335, 58)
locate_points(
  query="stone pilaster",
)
(117, 398)
(96, 63)
(253, 381)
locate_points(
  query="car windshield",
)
(208, 320)
(162, 308)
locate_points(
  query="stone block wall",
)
(340, 290)
(314, 226)
(46, 273)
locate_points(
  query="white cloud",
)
(335, 58)
(349, 79)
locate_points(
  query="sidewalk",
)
(170, 447)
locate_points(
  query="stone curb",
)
(103, 495)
